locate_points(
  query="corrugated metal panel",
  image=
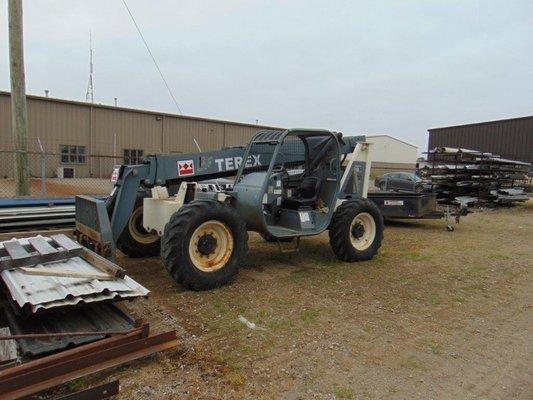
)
(93, 318)
(511, 138)
(38, 293)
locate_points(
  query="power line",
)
(152, 56)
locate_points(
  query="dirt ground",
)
(436, 315)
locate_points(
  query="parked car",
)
(405, 181)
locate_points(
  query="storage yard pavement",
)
(437, 314)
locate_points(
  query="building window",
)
(132, 156)
(72, 154)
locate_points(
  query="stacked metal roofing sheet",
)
(93, 318)
(36, 293)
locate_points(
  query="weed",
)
(309, 316)
(236, 379)
(436, 349)
(343, 393)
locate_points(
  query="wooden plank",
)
(61, 273)
(67, 243)
(8, 348)
(16, 251)
(103, 264)
(42, 246)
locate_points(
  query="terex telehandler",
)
(288, 184)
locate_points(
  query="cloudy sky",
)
(361, 67)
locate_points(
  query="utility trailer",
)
(288, 184)
(411, 205)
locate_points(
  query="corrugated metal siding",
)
(57, 122)
(512, 138)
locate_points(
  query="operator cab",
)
(298, 189)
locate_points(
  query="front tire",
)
(135, 241)
(356, 230)
(204, 244)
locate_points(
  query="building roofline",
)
(395, 138)
(138, 110)
(480, 123)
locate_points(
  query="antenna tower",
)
(89, 95)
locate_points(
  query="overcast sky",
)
(360, 67)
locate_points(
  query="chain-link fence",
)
(61, 170)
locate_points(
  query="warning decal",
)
(185, 167)
(393, 202)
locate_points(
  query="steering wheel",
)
(278, 168)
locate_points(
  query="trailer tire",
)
(356, 230)
(204, 244)
(134, 241)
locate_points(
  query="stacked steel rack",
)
(473, 177)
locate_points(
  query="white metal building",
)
(391, 154)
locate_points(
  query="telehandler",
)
(288, 184)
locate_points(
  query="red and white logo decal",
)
(185, 168)
(115, 174)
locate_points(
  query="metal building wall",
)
(106, 131)
(509, 138)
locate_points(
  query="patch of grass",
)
(76, 384)
(499, 257)
(280, 324)
(236, 379)
(343, 393)
(417, 256)
(309, 316)
(436, 349)
(378, 259)
(411, 362)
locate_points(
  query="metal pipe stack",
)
(473, 177)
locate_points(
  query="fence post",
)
(43, 168)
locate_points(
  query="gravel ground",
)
(437, 314)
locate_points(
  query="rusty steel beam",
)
(101, 392)
(74, 353)
(25, 380)
(29, 336)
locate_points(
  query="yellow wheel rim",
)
(136, 229)
(211, 246)
(362, 231)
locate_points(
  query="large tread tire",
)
(340, 230)
(177, 236)
(132, 247)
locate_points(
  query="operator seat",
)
(306, 195)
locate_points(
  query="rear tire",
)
(135, 241)
(356, 230)
(204, 244)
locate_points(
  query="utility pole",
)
(18, 99)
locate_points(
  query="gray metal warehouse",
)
(510, 138)
(89, 139)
